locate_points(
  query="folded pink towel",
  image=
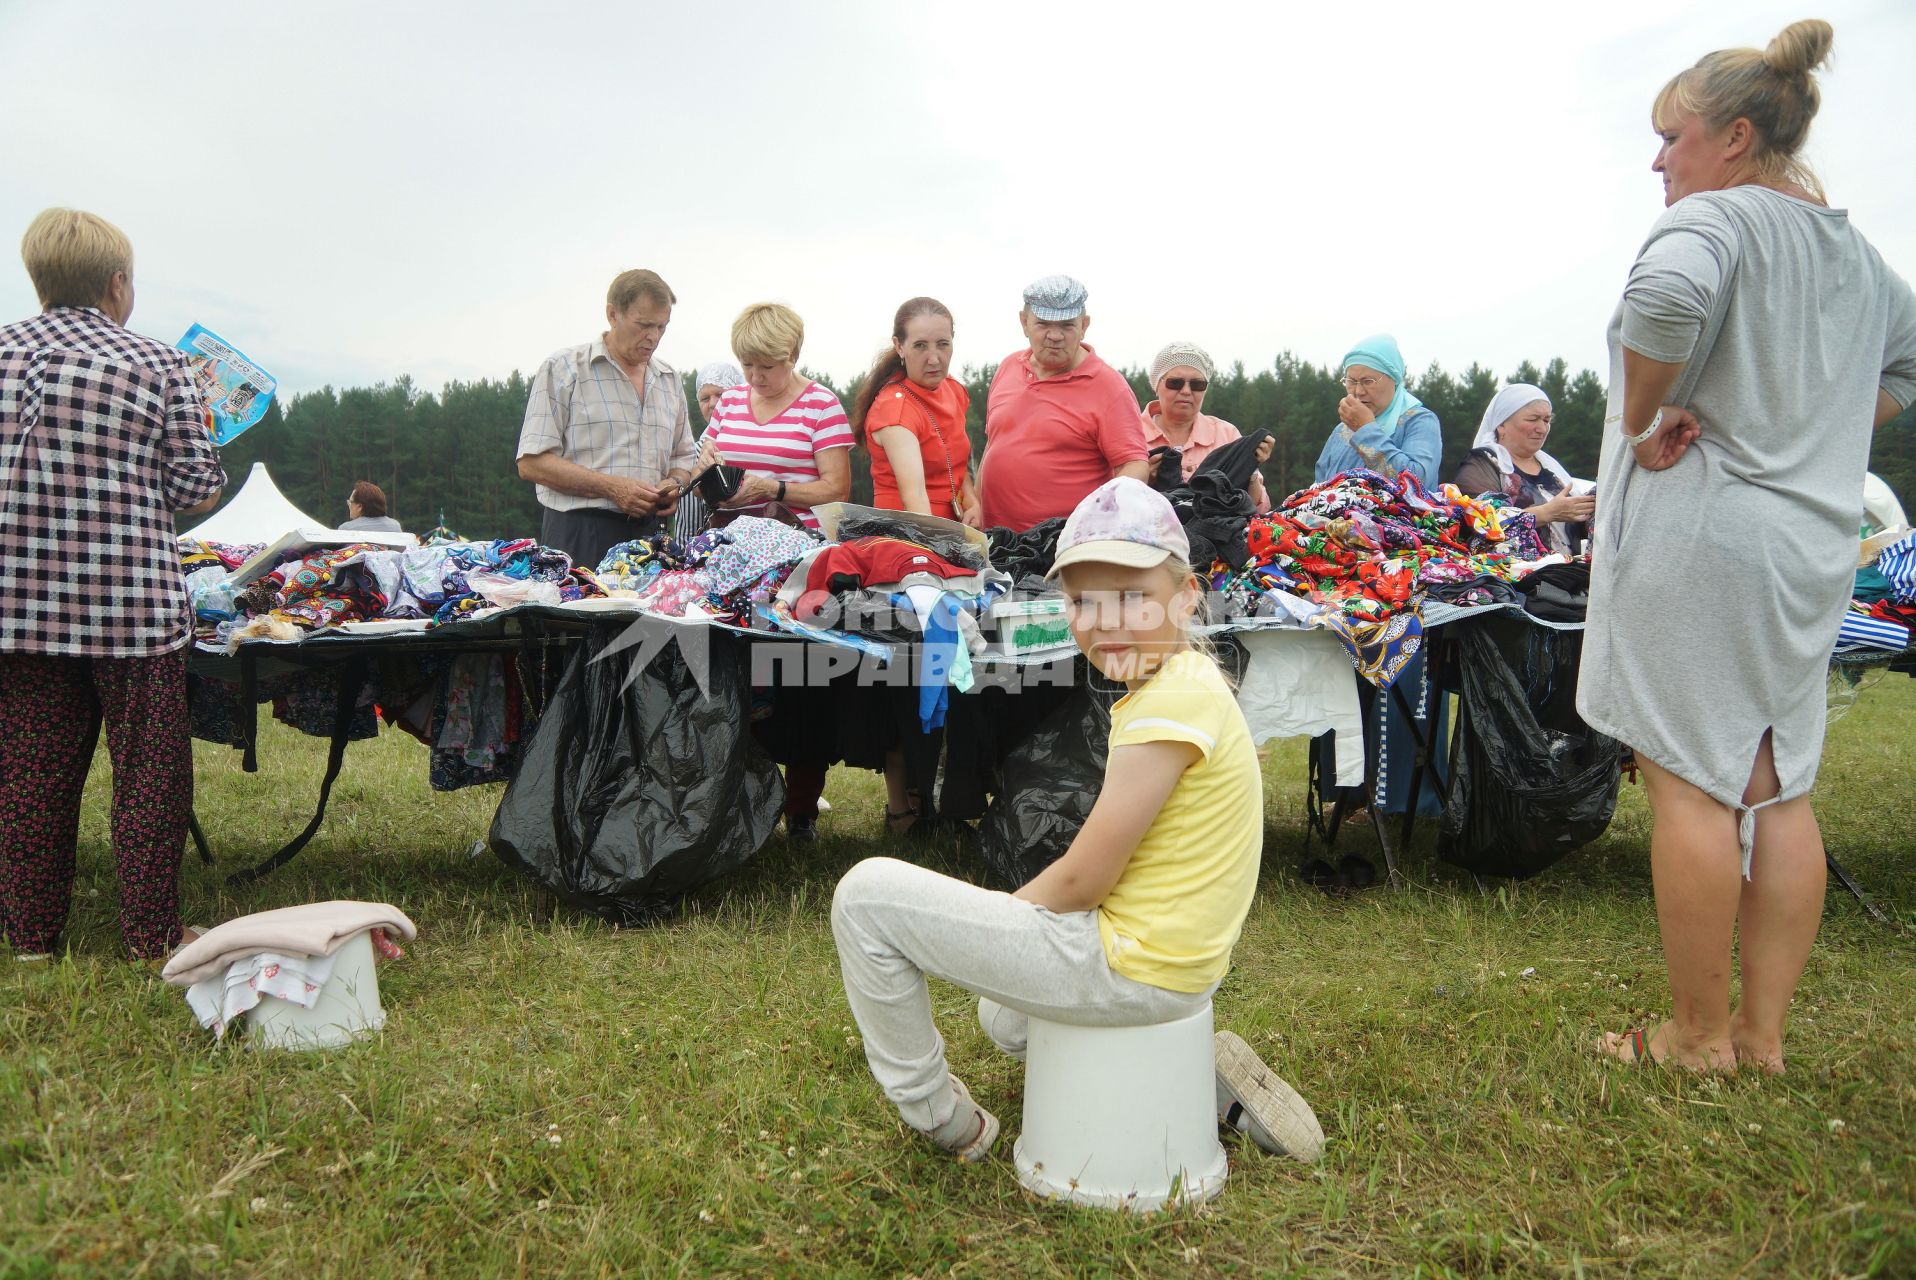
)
(315, 929)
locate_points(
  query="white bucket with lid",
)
(347, 1009)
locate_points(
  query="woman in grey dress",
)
(1758, 339)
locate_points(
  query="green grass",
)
(553, 1096)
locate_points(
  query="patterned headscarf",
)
(720, 373)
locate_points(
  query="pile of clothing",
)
(723, 573)
(1359, 553)
(629, 566)
(1365, 547)
(287, 954)
(362, 583)
(196, 555)
(888, 587)
(1882, 610)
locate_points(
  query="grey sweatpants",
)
(895, 923)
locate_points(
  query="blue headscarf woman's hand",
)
(1354, 413)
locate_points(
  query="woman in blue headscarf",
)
(1382, 427)
(1386, 429)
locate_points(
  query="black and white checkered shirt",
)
(102, 438)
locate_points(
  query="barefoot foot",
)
(1660, 1048)
(1767, 1058)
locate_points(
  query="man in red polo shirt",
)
(1059, 421)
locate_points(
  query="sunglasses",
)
(1177, 384)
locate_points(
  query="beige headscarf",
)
(1188, 354)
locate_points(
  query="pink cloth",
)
(1207, 434)
(314, 929)
(1050, 441)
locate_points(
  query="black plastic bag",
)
(1047, 786)
(630, 798)
(1530, 781)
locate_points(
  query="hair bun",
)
(1800, 48)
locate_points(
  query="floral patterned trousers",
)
(51, 711)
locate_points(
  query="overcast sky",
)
(350, 192)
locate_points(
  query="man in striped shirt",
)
(607, 437)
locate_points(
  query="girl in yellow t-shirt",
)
(1134, 924)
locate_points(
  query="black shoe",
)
(1319, 873)
(801, 830)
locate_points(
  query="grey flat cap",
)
(1056, 298)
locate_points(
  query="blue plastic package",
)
(236, 390)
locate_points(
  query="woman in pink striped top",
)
(789, 434)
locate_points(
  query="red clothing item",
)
(1050, 441)
(876, 562)
(936, 419)
(867, 562)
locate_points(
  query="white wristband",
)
(1648, 431)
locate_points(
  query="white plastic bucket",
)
(348, 1006)
(1121, 1117)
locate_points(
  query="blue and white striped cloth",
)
(1860, 631)
(1898, 564)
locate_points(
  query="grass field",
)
(552, 1096)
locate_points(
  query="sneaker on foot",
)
(1254, 1100)
(969, 1133)
(801, 830)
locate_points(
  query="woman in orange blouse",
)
(911, 415)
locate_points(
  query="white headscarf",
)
(720, 373)
(1503, 406)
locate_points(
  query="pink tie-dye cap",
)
(1123, 521)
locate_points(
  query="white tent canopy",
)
(259, 512)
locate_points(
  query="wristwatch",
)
(781, 490)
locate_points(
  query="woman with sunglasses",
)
(1180, 375)
(1381, 425)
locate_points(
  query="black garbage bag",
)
(1047, 786)
(1530, 781)
(630, 798)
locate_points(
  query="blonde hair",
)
(629, 286)
(72, 256)
(1187, 578)
(767, 333)
(1774, 89)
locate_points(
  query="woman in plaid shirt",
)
(103, 438)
